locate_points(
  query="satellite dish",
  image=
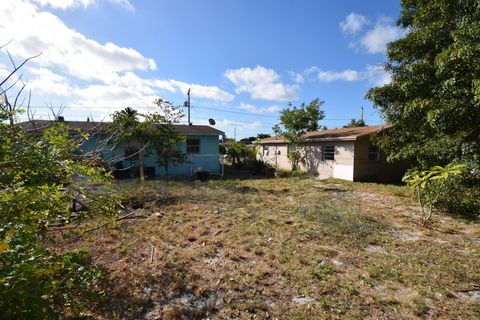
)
(211, 121)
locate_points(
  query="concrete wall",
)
(341, 167)
(206, 160)
(351, 161)
(375, 170)
(277, 156)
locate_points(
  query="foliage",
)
(297, 121)
(461, 194)
(248, 140)
(235, 151)
(155, 134)
(433, 98)
(221, 149)
(354, 123)
(428, 185)
(162, 137)
(263, 136)
(124, 126)
(247, 155)
(39, 180)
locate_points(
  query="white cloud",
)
(4, 71)
(345, 75)
(373, 74)
(261, 83)
(376, 39)
(353, 23)
(254, 109)
(377, 75)
(35, 31)
(200, 91)
(74, 4)
(228, 124)
(44, 81)
(297, 77)
(82, 72)
(108, 98)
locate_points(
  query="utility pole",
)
(188, 102)
(235, 133)
(361, 118)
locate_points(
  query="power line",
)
(198, 107)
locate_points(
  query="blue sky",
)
(243, 59)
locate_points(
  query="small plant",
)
(428, 185)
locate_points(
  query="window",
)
(373, 153)
(291, 148)
(132, 152)
(265, 150)
(193, 145)
(328, 153)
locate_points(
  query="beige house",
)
(346, 154)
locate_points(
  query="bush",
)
(461, 195)
(39, 181)
(260, 167)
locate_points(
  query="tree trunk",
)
(140, 163)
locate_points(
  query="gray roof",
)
(90, 126)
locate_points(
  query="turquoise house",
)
(201, 149)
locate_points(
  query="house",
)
(201, 148)
(346, 153)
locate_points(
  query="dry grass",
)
(286, 248)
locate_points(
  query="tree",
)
(125, 128)
(39, 181)
(297, 121)
(263, 136)
(155, 134)
(163, 138)
(355, 123)
(248, 140)
(425, 182)
(434, 96)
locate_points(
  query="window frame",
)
(325, 152)
(266, 150)
(196, 146)
(373, 150)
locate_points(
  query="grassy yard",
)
(283, 248)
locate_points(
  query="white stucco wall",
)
(341, 167)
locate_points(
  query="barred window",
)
(193, 145)
(328, 153)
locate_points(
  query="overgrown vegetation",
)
(155, 134)
(39, 186)
(429, 184)
(44, 187)
(247, 156)
(433, 98)
(297, 121)
(285, 248)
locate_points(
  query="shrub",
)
(39, 182)
(429, 185)
(461, 195)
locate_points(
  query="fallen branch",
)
(126, 216)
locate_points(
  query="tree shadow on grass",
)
(169, 293)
